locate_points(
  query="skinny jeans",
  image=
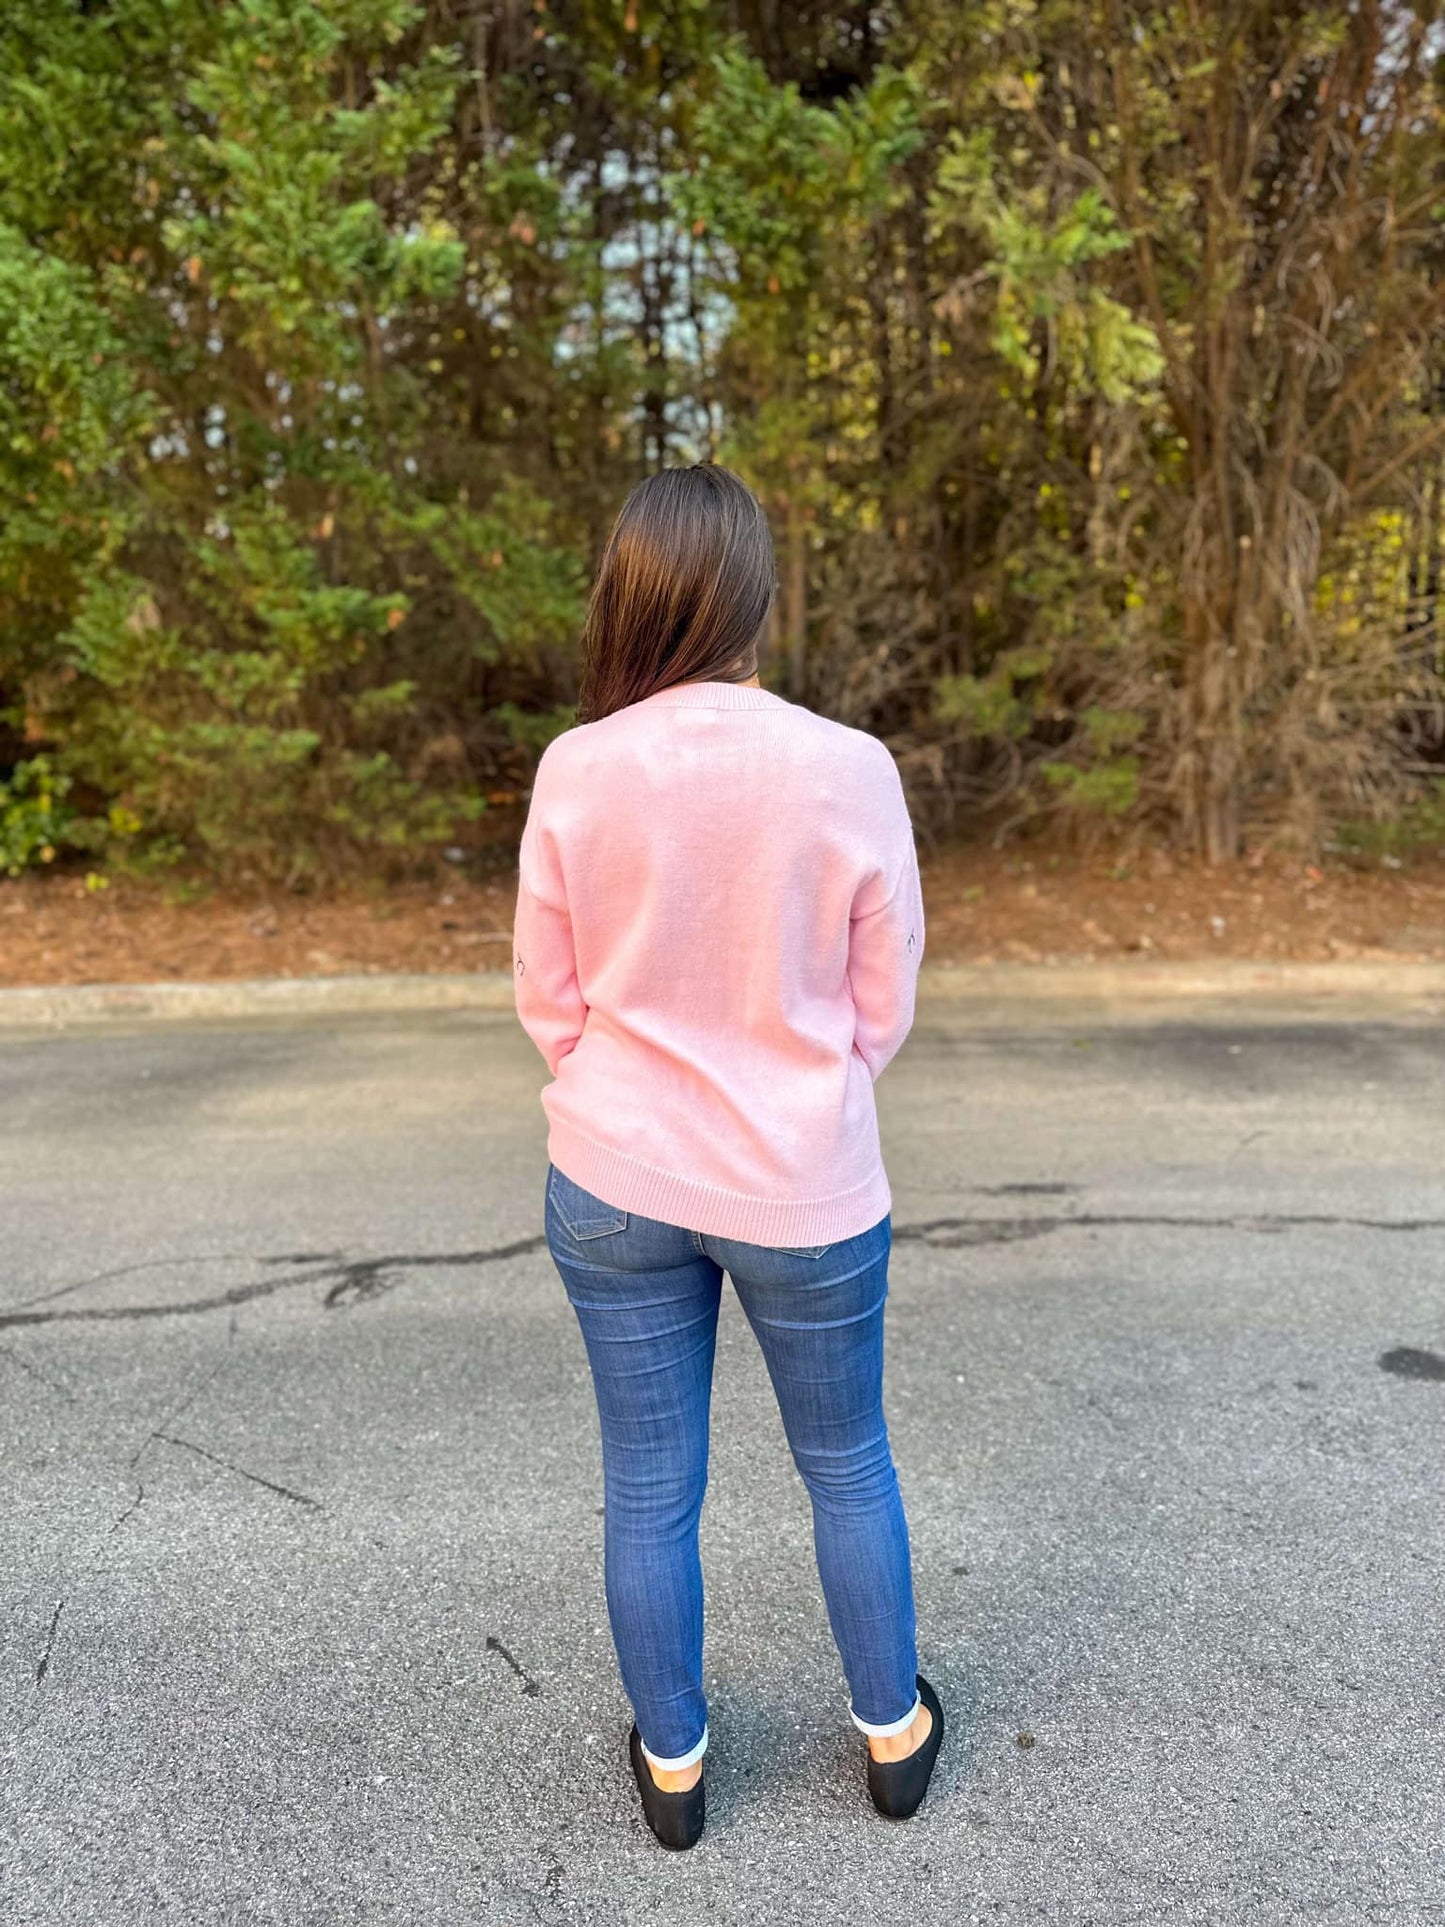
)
(646, 1295)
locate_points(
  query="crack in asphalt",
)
(23, 1364)
(158, 1430)
(348, 1281)
(529, 1685)
(155, 1432)
(135, 1505)
(128, 1271)
(358, 1281)
(949, 1233)
(44, 1666)
(270, 1485)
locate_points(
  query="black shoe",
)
(898, 1786)
(676, 1818)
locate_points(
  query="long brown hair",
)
(682, 592)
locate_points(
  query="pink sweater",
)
(718, 931)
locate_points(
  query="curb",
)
(1406, 984)
(1113, 990)
(57, 1007)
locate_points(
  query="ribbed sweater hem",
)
(629, 1184)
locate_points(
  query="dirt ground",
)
(983, 905)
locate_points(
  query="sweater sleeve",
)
(885, 939)
(549, 999)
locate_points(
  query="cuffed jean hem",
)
(682, 1760)
(893, 1726)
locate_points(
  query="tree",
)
(1087, 357)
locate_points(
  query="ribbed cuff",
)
(893, 1726)
(682, 1760)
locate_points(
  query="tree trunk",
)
(1212, 758)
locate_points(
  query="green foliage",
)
(532, 729)
(1108, 789)
(1103, 448)
(229, 504)
(780, 181)
(34, 818)
(997, 704)
(1419, 827)
(1107, 731)
(1038, 260)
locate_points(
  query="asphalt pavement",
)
(301, 1608)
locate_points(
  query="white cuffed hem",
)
(682, 1760)
(893, 1726)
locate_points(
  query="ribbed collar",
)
(714, 695)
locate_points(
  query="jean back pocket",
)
(582, 1214)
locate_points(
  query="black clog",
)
(676, 1818)
(898, 1786)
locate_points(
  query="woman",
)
(718, 931)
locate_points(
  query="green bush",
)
(1420, 826)
(35, 820)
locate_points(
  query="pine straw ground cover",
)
(984, 906)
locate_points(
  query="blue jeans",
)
(646, 1295)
